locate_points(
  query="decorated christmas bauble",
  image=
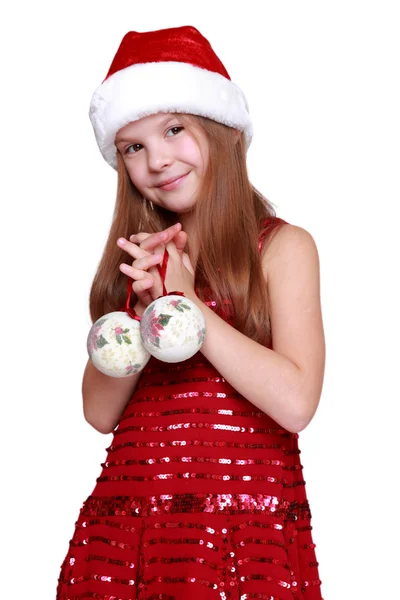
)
(115, 347)
(172, 328)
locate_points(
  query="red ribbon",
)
(162, 270)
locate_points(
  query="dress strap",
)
(268, 225)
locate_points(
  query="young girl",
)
(202, 492)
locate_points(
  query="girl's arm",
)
(104, 397)
(285, 382)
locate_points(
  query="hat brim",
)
(145, 89)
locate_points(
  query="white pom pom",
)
(114, 345)
(172, 328)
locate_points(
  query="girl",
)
(202, 492)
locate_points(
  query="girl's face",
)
(164, 161)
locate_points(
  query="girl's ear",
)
(237, 135)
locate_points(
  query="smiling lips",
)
(172, 183)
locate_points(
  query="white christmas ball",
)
(115, 347)
(172, 328)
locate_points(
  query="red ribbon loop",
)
(127, 308)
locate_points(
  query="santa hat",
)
(170, 70)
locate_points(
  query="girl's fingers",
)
(142, 289)
(138, 238)
(136, 274)
(146, 285)
(172, 250)
(180, 241)
(137, 252)
(147, 261)
(138, 269)
(142, 286)
(149, 242)
(147, 289)
(179, 256)
(132, 249)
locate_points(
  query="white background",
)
(322, 81)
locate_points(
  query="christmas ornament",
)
(114, 344)
(170, 71)
(172, 328)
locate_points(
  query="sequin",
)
(103, 540)
(193, 459)
(311, 583)
(198, 580)
(184, 396)
(228, 504)
(166, 382)
(192, 425)
(99, 577)
(260, 597)
(260, 577)
(194, 443)
(193, 411)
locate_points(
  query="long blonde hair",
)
(228, 217)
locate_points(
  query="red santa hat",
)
(170, 70)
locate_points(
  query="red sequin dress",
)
(201, 496)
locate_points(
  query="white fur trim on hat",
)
(145, 89)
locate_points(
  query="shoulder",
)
(288, 245)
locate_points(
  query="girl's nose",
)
(158, 159)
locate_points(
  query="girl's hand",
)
(180, 273)
(147, 283)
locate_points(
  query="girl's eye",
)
(136, 146)
(176, 130)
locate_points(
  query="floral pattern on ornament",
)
(130, 369)
(179, 305)
(96, 341)
(177, 328)
(201, 334)
(120, 335)
(108, 355)
(152, 326)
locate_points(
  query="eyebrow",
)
(161, 124)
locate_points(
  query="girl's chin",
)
(178, 207)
